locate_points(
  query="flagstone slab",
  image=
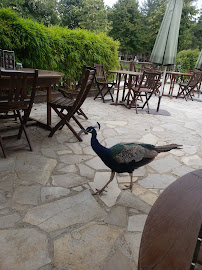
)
(180, 171)
(129, 200)
(7, 181)
(85, 249)
(86, 171)
(194, 161)
(27, 195)
(136, 223)
(76, 148)
(133, 240)
(157, 181)
(62, 167)
(113, 191)
(65, 212)
(7, 165)
(164, 164)
(69, 180)
(52, 193)
(119, 261)
(73, 159)
(23, 249)
(9, 221)
(49, 152)
(117, 216)
(36, 168)
(150, 138)
(144, 194)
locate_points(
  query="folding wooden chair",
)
(104, 86)
(72, 93)
(71, 106)
(187, 89)
(14, 99)
(147, 86)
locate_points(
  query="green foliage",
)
(126, 25)
(43, 11)
(55, 48)
(86, 14)
(187, 59)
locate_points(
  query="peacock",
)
(125, 157)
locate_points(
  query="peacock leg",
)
(131, 183)
(99, 191)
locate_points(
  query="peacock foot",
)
(99, 191)
(128, 187)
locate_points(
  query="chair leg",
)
(81, 112)
(78, 123)
(2, 147)
(100, 93)
(64, 121)
(22, 122)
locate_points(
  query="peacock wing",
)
(128, 152)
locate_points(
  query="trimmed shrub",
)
(55, 48)
(187, 59)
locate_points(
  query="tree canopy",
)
(134, 26)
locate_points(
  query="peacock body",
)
(126, 157)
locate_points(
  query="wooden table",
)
(172, 227)
(46, 79)
(119, 75)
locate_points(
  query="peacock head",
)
(92, 130)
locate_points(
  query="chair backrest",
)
(17, 91)
(85, 88)
(82, 76)
(149, 80)
(195, 79)
(100, 72)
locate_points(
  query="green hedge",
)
(55, 48)
(187, 59)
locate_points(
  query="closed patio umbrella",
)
(199, 65)
(165, 48)
(199, 62)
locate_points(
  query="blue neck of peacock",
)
(99, 149)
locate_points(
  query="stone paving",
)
(49, 219)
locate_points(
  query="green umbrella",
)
(165, 47)
(199, 62)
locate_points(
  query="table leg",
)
(118, 88)
(48, 106)
(172, 84)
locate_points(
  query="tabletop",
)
(126, 72)
(178, 73)
(173, 224)
(46, 73)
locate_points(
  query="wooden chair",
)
(172, 233)
(147, 86)
(71, 106)
(14, 99)
(187, 89)
(72, 93)
(104, 86)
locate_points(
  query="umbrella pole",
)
(162, 87)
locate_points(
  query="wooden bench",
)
(171, 230)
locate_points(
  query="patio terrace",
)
(49, 218)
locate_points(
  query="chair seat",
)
(62, 102)
(68, 91)
(106, 82)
